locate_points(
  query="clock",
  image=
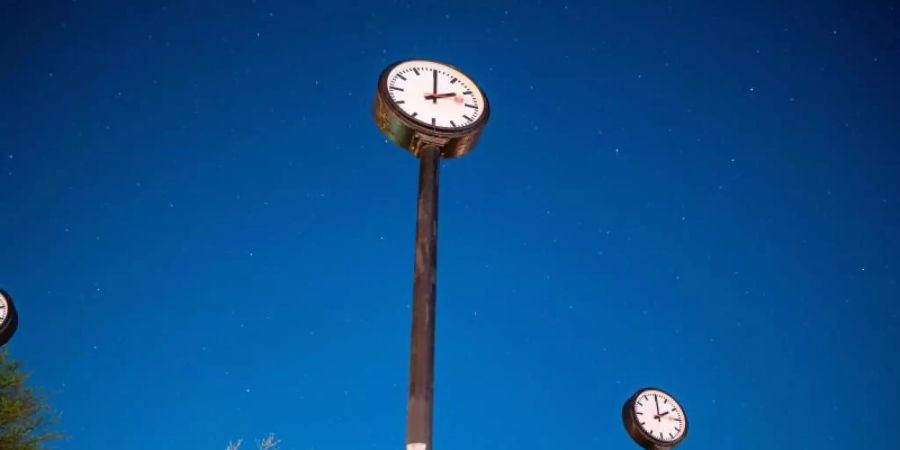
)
(654, 419)
(9, 319)
(421, 102)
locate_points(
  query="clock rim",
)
(421, 126)
(638, 433)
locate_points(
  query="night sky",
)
(208, 238)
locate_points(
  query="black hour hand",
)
(437, 96)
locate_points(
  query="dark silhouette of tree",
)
(269, 443)
(25, 415)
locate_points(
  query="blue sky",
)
(208, 238)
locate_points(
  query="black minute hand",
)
(435, 86)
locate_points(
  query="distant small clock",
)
(9, 319)
(654, 419)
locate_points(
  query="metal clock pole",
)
(435, 111)
(421, 361)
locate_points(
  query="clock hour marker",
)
(396, 88)
(467, 117)
(401, 77)
(471, 106)
(453, 81)
(432, 121)
(639, 413)
(467, 93)
(643, 423)
(671, 436)
(416, 71)
(452, 124)
(400, 102)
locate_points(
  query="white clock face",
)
(4, 309)
(659, 415)
(435, 95)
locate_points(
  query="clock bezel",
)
(644, 439)
(443, 131)
(11, 322)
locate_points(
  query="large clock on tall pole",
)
(9, 318)
(434, 111)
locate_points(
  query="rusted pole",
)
(421, 359)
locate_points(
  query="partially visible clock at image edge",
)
(436, 95)
(9, 319)
(654, 419)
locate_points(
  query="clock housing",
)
(413, 130)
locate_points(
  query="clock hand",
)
(435, 85)
(437, 96)
(657, 416)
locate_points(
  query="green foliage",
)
(24, 413)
